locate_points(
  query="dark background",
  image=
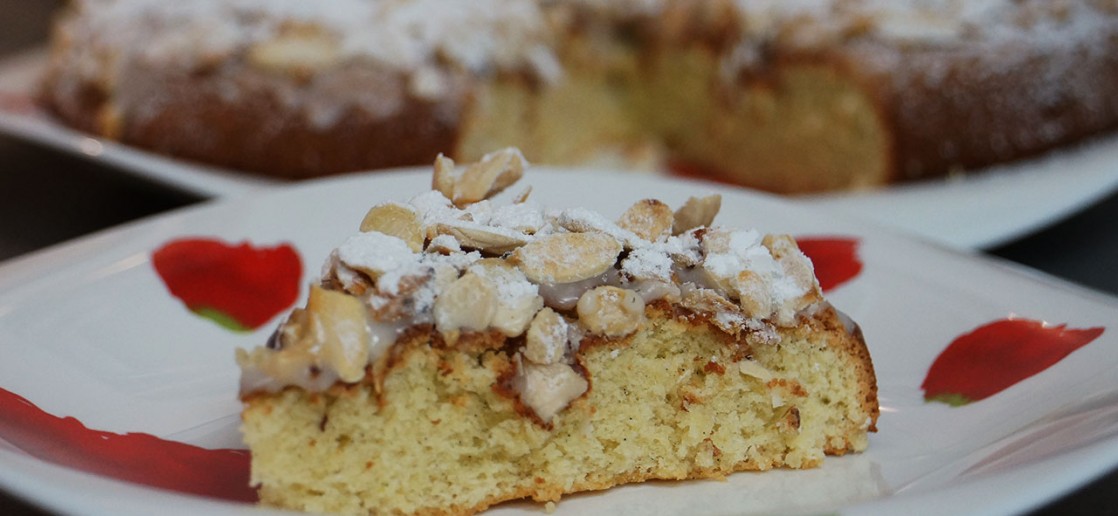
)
(47, 197)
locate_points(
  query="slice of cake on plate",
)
(459, 352)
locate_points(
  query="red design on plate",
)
(995, 356)
(238, 286)
(835, 259)
(133, 457)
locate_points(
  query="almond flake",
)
(396, 220)
(696, 212)
(610, 311)
(567, 257)
(649, 219)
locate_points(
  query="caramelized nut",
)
(546, 341)
(696, 212)
(487, 239)
(444, 177)
(467, 304)
(517, 299)
(488, 177)
(649, 219)
(522, 197)
(725, 314)
(338, 324)
(793, 262)
(610, 311)
(567, 257)
(753, 295)
(396, 220)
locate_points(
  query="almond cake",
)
(458, 352)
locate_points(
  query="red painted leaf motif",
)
(239, 286)
(133, 457)
(997, 355)
(835, 259)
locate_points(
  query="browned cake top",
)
(428, 48)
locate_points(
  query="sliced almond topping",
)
(375, 253)
(445, 176)
(338, 323)
(705, 300)
(696, 212)
(610, 311)
(753, 295)
(547, 389)
(546, 341)
(797, 266)
(488, 177)
(780, 245)
(468, 304)
(727, 254)
(793, 261)
(483, 238)
(444, 244)
(396, 220)
(522, 197)
(567, 257)
(650, 219)
(296, 53)
(518, 300)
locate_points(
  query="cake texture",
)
(458, 353)
(798, 96)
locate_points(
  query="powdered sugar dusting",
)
(593, 277)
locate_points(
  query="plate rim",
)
(63, 254)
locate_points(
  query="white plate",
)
(973, 212)
(88, 330)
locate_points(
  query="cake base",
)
(432, 430)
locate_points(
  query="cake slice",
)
(458, 353)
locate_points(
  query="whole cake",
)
(788, 96)
(458, 353)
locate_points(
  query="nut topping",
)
(444, 177)
(517, 298)
(567, 257)
(611, 311)
(482, 180)
(794, 263)
(469, 303)
(546, 341)
(338, 324)
(454, 258)
(396, 220)
(650, 219)
(487, 239)
(697, 212)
